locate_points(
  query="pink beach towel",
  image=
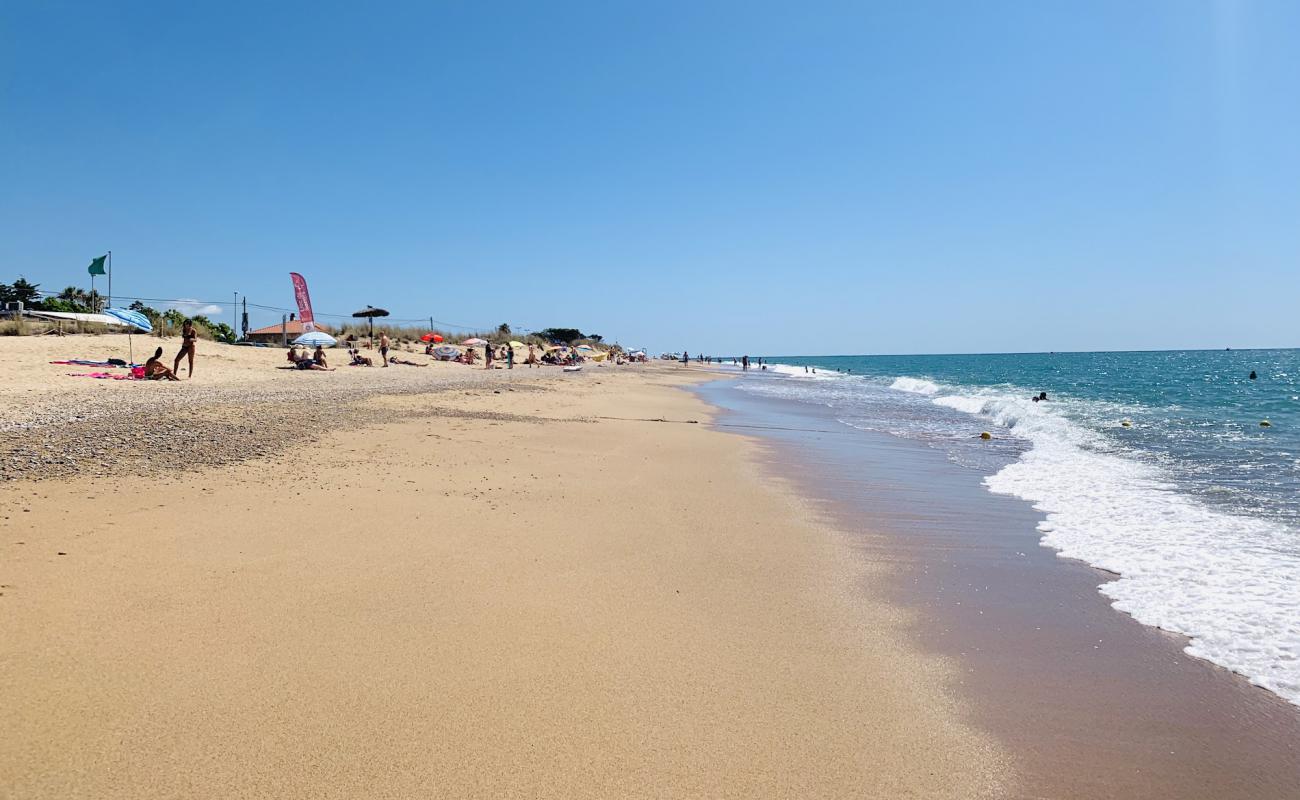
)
(110, 376)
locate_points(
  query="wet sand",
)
(492, 592)
(1089, 702)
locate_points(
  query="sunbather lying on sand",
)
(359, 360)
(306, 362)
(396, 360)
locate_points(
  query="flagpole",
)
(110, 278)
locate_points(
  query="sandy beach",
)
(241, 403)
(690, 400)
(447, 583)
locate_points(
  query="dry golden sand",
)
(461, 607)
(29, 383)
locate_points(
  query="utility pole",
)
(234, 317)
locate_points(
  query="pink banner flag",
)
(304, 302)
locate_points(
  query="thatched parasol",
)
(370, 312)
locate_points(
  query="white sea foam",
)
(970, 405)
(798, 371)
(1230, 583)
(915, 385)
(787, 369)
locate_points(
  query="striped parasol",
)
(135, 321)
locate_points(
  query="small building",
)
(276, 334)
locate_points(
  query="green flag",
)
(97, 266)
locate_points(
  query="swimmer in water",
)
(1253, 376)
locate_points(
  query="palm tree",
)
(74, 295)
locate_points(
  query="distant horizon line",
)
(1023, 353)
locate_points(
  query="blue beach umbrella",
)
(135, 321)
(316, 338)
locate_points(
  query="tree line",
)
(75, 300)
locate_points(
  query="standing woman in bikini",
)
(188, 337)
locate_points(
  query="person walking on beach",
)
(532, 357)
(188, 337)
(510, 357)
(686, 358)
(383, 348)
(487, 356)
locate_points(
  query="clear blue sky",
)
(859, 177)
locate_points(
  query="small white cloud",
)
(191, 308)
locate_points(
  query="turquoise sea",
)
(1152, 465)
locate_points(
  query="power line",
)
(282, 310)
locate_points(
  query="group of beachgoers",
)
(491, 356)
(301, 359)
(495, 356)
(743, 361)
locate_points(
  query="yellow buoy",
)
(1126, 423)
(1265, 424)
(986, 435)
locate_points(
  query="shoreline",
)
(1089, 701)
(481, 593)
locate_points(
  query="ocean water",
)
(1151, 465)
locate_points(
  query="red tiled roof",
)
(293, 327)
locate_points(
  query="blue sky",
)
(721, 176)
